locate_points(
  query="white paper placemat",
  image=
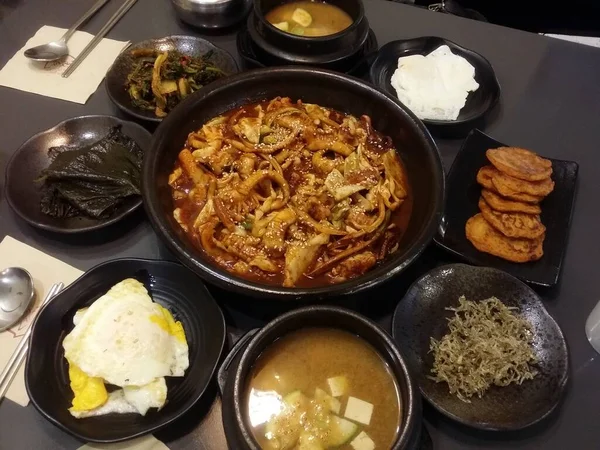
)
(144, 443)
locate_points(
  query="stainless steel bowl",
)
(212, 13)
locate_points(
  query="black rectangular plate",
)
(463, 194)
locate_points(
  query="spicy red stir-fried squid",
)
(292, 194)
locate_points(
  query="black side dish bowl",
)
(233, 375)
(478, 104)
(342, 93)
(24, 194)
(340, 51)
(169, 284)
(422, 315)
(461, 204)
(116, 77)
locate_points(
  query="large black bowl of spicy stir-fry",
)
(150, 78)
(270, 156)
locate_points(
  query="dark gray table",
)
(550, 102)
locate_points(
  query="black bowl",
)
(24, 195)
(340, 92)
(169, 284)
(357, 64)
(237, 430)
(116, 76)
(421, 314)
(339, 51)
(478, 103)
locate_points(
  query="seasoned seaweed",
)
(92, 180)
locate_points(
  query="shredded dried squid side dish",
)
(291, 194)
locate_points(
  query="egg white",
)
(142, 398)
(116, 403)
(117, 339)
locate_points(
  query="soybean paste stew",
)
(310, 19)
(321, 388)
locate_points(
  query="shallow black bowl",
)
(169, 284)
(340, 92)
(24, 195)
(340, 51)
(478, 103)
(116, 76)
(233, 375)
(421, 314)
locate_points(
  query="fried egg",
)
(115, 403)
(126, 340)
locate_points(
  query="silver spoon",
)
(57, 49)
(16, 295)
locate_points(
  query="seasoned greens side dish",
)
(487, 344)
(159, 81)
(92, 180)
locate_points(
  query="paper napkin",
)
(45, 78)
(45, 271)
(144, 443)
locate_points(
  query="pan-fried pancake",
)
(485, 177)
(487, 239)
(502, 204)
(507, 185)
(514, 225)
(520, 163)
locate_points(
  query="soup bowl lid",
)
(321, 317)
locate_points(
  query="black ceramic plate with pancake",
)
(24, 195)
(116, 76)
(171, 285)
(478, 103)
(421, 315)
(462, 197)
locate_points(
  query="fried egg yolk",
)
(166, 322)
(90, 392)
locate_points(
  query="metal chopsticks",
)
(18, 356)
(96, 40)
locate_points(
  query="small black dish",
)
(340, 51)
(421, 314)
(236, 367)
(461, 204)
(116, 76)
(171, 285)
(357, 64)
(478, 103)
(24, 195)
